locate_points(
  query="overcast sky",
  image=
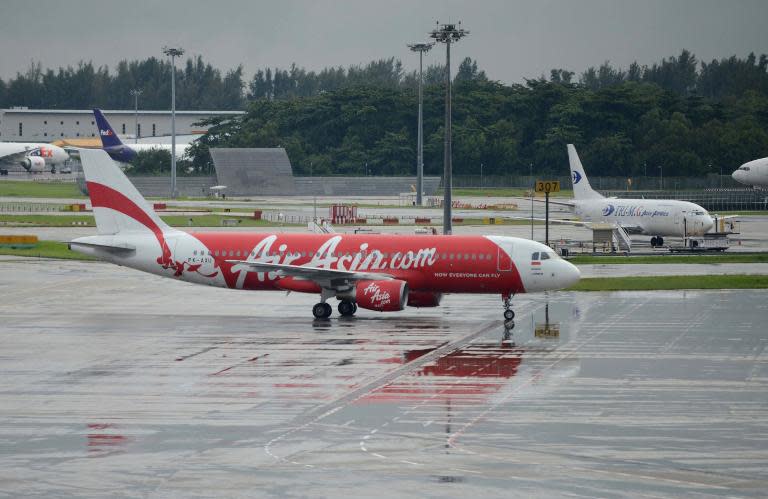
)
(510, 39)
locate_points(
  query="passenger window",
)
(535, 256)
(450, 256)
(544, 256)
(474, 256)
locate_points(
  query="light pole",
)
(173, 52)
(447, 34)
(661, 178)
(136, 92)
(533, 187)
(420, 48)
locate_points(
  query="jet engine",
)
(382, 296)
(424, 299)
(33, 163)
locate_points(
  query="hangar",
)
(21, 124)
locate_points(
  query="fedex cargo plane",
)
(377, 272)
(32, 156)
(125, 153)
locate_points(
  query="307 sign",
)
(547, 186)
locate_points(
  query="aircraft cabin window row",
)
(310, 254)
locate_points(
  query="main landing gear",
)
(322, 310)
(347, 308)
(657, 241)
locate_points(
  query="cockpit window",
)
(698, 212)
(745, 168)
(544, 256)
(535, 256)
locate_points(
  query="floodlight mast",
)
(420, 48)
(136, 92)
(173, 53)
(447, 34)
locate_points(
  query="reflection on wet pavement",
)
(203, 392)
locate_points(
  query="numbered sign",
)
(547, 186)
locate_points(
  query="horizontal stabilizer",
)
(117, 247)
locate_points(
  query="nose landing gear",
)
(509, 314)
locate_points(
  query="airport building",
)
(21, 124)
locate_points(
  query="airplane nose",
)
(708, 223)
(571, 274)
(736, 175)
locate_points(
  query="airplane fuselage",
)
(33, 156)
(655, 217)
(753, 173)
(125, 153)
(433, 264)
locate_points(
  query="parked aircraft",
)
(653, 217)
(125, 153)
(753, 173)
(373, 271)
(33, 156)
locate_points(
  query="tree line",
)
(198, 86)
(689, 117)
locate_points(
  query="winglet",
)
(581, 187)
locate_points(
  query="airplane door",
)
(504, 260)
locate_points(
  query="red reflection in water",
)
(477, 370)
(103, 441)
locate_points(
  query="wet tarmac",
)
(114, 382)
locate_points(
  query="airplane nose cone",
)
(708, 223)
(737, 175)
(571, 274)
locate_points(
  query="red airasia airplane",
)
(377, 272)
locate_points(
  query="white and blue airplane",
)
(657, 218)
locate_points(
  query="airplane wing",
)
(568, 203)
(631, 229)
(563, 221)
(326, 278)
(16, 157)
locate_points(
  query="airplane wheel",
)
(509, 314)
(653, 241)
(660, 241)
(322, 310)
(347, 308)
(509, 325)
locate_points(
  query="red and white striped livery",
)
(374, 271)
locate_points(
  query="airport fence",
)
(709, 199)
(31, 207)
(712, 181)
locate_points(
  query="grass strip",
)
(46, 249)
(172, 220)
(675, 259)
(667, 282)
(20, 188)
